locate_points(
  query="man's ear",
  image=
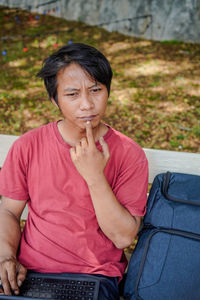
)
(54, 102)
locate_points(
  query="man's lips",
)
(87, 118)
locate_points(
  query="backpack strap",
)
(165, 186)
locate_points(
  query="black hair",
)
(88, 57)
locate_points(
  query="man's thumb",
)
(21, 274)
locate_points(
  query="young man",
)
(85, 183)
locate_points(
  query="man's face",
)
(80, 98)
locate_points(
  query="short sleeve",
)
(13, 175)
(132, 184)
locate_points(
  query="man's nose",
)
(86, 102)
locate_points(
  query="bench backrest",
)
(160, 161)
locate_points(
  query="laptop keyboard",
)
(48, 288)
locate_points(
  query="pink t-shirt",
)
(62, 233)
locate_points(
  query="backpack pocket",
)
(169, 268)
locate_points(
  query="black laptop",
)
(57, 286)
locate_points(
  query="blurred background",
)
(154, 50)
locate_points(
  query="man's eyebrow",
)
(70, 89)
(94, 85)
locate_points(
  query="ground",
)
(155, 91)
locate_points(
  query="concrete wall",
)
(149, 19)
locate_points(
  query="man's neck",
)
(73, 136)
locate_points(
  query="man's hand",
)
(12, 275)
(88, 160)
(114, 220)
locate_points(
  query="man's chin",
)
(94, 123)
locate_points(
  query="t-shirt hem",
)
(118, 274)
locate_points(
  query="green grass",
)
(155, 96)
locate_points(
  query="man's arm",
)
(12, 273)
(115, 220)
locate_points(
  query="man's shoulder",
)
(125, 144)
(36, 133)
(34, 136)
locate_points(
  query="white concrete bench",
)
(159, 160)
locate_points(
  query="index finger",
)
(12, 277)
(5, 286)
(89, 133)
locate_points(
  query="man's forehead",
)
(75, 72)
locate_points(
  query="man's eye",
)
(96, 90)
(71, 94)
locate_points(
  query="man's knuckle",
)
(92, 150)
(22, 269)
(12, 278)
(4, 281)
